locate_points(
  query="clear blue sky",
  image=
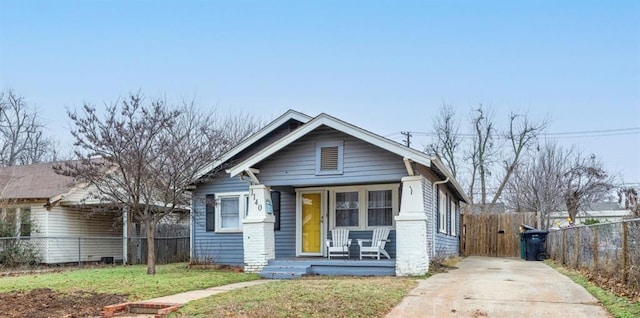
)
(383, 65)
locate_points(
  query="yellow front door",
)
(311, 220)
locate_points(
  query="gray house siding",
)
(286, 236)
(295, 165)
(221, 248)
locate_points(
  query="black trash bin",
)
(523, 246)
(534, 241)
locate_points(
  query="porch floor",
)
(283, 268)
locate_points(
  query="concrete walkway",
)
(499, 287)
(186, 297)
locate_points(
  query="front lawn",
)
(131, 281)
(309, 297)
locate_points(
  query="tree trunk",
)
(131, 246)
(150, 225)
(572, 207)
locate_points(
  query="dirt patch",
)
(49, 303)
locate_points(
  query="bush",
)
(15, 252)
(591, 221)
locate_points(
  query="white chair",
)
(339, 243)
(375, 246)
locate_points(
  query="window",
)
(275, 201)
(380, 208)
(453, 216)
(329, 157)
(363, 207)
(347, 209)
(25, 222)
(230, 209)
(442, 212)
(210, 204)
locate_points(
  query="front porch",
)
(289, 268)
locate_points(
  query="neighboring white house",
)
(46, 209)
(603, 212)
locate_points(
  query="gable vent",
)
(329, 158)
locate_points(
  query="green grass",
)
(126, 280)
(619, 307)
(314, 297)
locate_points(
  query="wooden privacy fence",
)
(168, 250)
(493, 234)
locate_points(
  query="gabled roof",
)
(34, 181)
(357, 132)
(289, 115)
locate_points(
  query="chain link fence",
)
(16, 251)
(611, 250)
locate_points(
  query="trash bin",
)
(523, 246)
(534, 245)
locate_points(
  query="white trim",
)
(242, 210)
(340, 163)
(453, 217)
(442, 212)
(326, 120)
(323, 217)
(290, 114)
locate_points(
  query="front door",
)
(310, 223)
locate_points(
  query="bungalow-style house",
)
(271, 203)
(45, 209)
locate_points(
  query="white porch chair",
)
(339, 243)
(375, 246)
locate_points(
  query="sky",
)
(386, 66)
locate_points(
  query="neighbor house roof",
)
(34, 181)
(357, 132)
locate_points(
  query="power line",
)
(568, 134)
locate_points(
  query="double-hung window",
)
(380, 208)
(442, 212)
(364, 207)
(453, 217)
(230, 210)
(347, 209)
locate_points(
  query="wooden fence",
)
(168, 250)
(496, 235)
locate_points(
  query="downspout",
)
(433, 210)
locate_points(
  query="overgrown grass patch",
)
(619, 307)
(311, 297)
(132, 281)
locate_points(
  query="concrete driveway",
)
(499, 287)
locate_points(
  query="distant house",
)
(278, 195)
(59, 218)
(46, 208)
(603, 212)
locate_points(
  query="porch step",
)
(278, 270)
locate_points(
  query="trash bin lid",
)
(533, 232)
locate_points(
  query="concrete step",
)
(285, 271)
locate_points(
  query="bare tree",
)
(148, 153)
(22, 139)
(521, 135)
(446, 146)
(482, 151)
(537, 183)
(586, 182)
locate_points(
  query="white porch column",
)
(412, 255)
(257, 230)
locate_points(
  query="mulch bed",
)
(49, 303)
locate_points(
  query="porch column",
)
(412, 245)
(257, 230)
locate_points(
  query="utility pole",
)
(408, 135)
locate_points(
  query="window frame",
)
(328, 144)
(276, 208)
(442, 212)
(242, 210)
(453, 216)
(363, 205)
